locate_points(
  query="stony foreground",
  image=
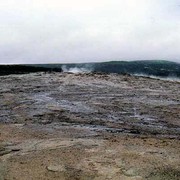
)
(89, 126)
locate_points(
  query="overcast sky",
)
(58, 31)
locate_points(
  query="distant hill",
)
(158, 68)
(155, 68)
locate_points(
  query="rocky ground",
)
(89, 126)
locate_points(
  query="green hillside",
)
(158, 68)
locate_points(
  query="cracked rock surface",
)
(89, 126)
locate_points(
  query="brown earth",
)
(89, 126)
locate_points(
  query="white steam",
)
(168, 78)
(76, 70)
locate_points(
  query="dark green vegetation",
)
(24, 69)
(149, 68)
(153, 67)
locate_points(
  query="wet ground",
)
(89, 126)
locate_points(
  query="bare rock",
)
(56, 168)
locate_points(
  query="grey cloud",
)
(113, 31)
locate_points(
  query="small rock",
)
(56, 168)
(130, 172)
